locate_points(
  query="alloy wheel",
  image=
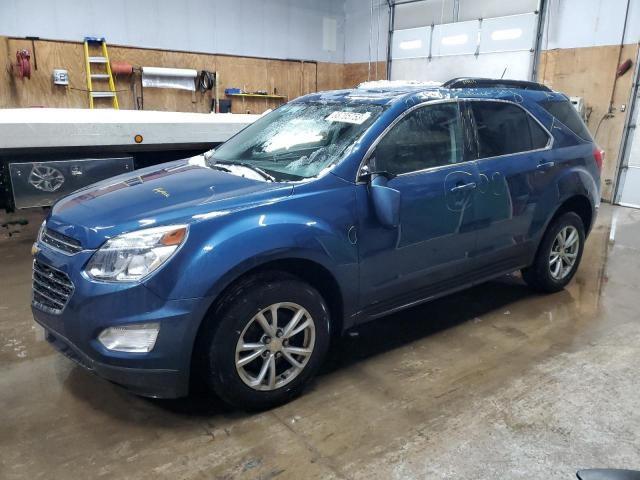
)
(564, 252)
(45, 178)
(275, 346)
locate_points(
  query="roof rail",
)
(470, 82)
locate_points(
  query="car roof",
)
(384, 92)
(375, 94)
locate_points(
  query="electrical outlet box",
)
(578, 104)
(60, 77)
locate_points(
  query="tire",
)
(238, 316)
(545, 276)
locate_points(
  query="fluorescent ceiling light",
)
(455, 39)
(508, 34)
(411, 44)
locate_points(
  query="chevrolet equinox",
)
(234, 269)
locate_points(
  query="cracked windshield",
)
(298, 140)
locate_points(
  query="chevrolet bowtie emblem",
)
(161, 191)
(34, 249)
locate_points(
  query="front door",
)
(430, 248)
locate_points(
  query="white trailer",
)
(46, 153)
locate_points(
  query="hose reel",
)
(22, 66)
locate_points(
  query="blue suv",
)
(235, 269)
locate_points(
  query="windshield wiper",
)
(218, 167)
(258, 170)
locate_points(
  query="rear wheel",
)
(558, 256)
(272, 336)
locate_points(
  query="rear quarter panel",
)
(573, 175)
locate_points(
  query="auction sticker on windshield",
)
(348, 117)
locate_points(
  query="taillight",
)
(598, 156)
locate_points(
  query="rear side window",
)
(567, 114)
(504, 129)
(539, 138)
(428, 137)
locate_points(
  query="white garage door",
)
(443, 39)
(629, 189)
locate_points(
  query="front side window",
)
(298, 140)
(427, 137)
(505, 129)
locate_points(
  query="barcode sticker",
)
(348, 117)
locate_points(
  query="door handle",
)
(464, 187)
(546, 165)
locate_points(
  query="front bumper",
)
(148, 382)
(93, 306)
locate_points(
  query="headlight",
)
(134, 255)
(41, 231)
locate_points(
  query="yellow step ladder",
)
(103, 74)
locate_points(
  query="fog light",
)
(137, 338)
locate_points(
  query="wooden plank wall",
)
(355, 73)
(333, 76)
(289, 78)
(590, 73)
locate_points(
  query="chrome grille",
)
(51, 288)
(60, 241)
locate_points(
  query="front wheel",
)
(558, 256)
(272, 336)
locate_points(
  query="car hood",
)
(176, 192)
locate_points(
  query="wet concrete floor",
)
(492, 383)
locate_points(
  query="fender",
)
(223, 248)
(284, 239)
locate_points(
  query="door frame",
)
(627, 137)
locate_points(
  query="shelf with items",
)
(245, 96)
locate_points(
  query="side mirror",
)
(386, 200)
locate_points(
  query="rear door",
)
(515, 166)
